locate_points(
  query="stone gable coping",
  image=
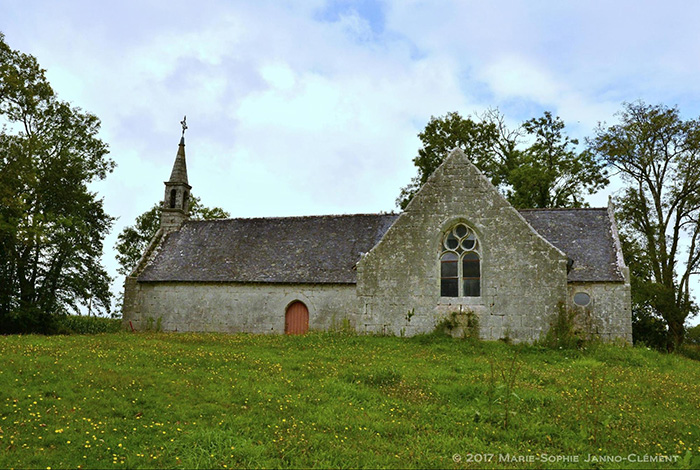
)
(457, 153)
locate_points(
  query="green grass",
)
(155, 400)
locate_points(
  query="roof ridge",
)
(561, 209)
(296, 217)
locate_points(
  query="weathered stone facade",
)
(523, 275)
(239, 307)
(608, 316)
(382, 273)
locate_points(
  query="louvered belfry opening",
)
(296, 320)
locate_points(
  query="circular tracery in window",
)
(460, 239)
(460, 263)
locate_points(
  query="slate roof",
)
(325, 249)
(320, 249)
(585, 235)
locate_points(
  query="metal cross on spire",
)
(184, 125)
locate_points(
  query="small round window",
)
(582, 299)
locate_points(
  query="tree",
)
(51, 226)
(693, 335)
(648, 327)
(133, 240)
(476, 138)
(658, 156)
(548, 173)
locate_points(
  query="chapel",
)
(458, 251)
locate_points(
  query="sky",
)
(307, 108)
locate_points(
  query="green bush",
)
(75, 324)
(649, 330)
(32, 320)
(692, 335)
(447, 324)
(691, 351)
(468, 321)
(27, 319)
(562, 332)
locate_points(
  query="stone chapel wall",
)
(237, 307)
(608, 316)
(523, 277)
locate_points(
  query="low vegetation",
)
(157, 400)
(86, 325)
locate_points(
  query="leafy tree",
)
(658, 156)
(476, 138)
(51, 226)
(548, 173)
(693, 335)
(133, 240)
(648, 327)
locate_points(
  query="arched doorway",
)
(296, 320)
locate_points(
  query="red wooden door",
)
(296, 321)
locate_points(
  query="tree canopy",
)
(133, 240)
(51, 225)
(476, 138)
(550, 172)
(547, 173)
(657, 153)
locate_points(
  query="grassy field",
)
(155, 400)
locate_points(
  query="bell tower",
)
(175, 210)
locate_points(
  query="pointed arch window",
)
(460, 263)
(173, 198)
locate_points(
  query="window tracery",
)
(460, 263)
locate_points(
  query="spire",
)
(179, 173)
(175, 209)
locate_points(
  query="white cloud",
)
(295, 110)
(278, 75)
(513, 77)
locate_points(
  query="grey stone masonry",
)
(236, 307)
(382, 273)
(523, 276)
(608, 316)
